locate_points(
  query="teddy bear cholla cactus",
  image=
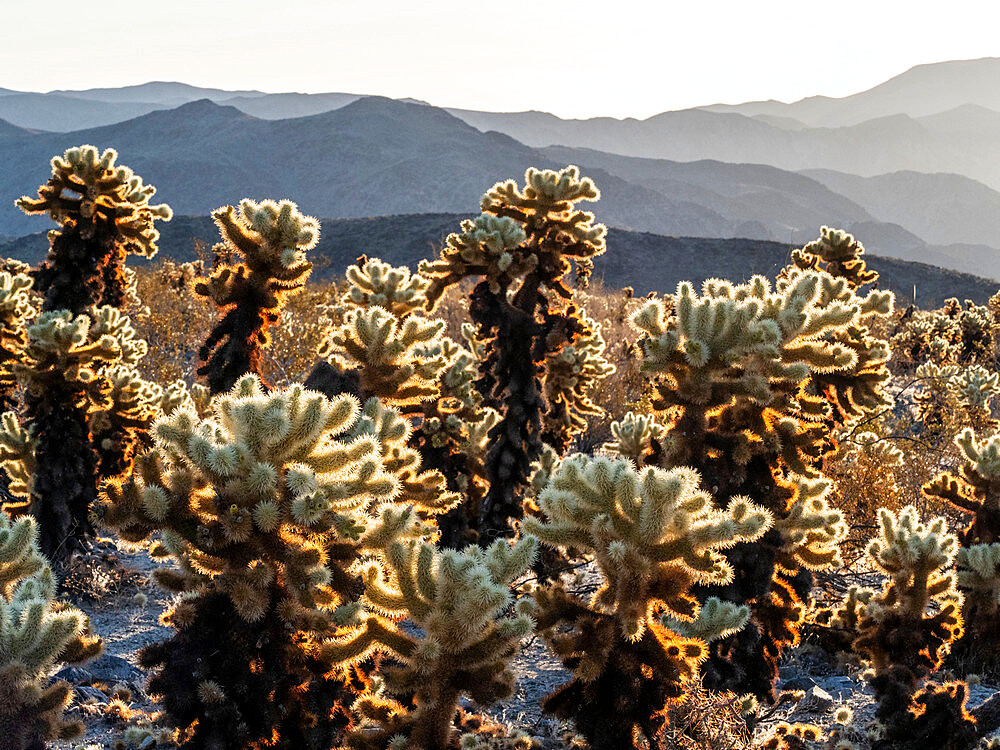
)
(272, 239)
(906, 630)
(653, 534)
(61, 367)
(975, 491)
(731, 371)
(520, 250)
(36, 633)
(105, 214)
(458, 600)
(16, 311)
(267, 508)
(951, 396)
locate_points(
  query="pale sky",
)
(584, 58)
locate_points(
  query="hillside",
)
(646, 262)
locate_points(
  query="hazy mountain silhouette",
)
(921, 90)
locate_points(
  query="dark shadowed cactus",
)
(268, 507)
(637, 642)
(520, 251)
(732, 371)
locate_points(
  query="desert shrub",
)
(642, 636)
(519, 251)
(271, 238)
(36, 633)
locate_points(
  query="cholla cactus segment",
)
(423, 490)
(972, 388)
(645, 530)
(571, 375)
(839, 254)
(653, 535)
(919, 599)
(374, 283)
(398, 360)
(17, 458)
(36, 632)
(979, 575)
(61, 346)
(105, 214)
(272, 463)
(636, 437)
(460, 601)
(716, 619)
(16, 309)
(811, 530)
(272, 238)
(956, 333)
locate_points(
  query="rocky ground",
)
(113, 588)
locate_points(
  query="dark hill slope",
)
(646, 262)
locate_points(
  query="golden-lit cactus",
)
(62, 369)
(104, 214)
(374, 283)
(571, 374)
(839, 254)
(653, 534)
(520, 250)
(736, 372)
(266, 508)
(16, 310)
(975, 491)
(459, 600)
(637, 437)
(907, 629)
(397, 360)
(951, 397)
(36, 633)
(272, 239)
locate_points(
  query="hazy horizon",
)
(621, 61)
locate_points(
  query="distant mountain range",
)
(912, 166)
(635, 259)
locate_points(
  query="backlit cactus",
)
(906, 630)
(104, 214)
(272, 239)
(520, 250)
(36, 633)
(735, 372)
(266, 507)
(653, 534)
(16, 311)
(458, 600)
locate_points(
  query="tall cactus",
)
(36, 633)
(104, 214)
(520, 250)
(272, 239)
(654, 535)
